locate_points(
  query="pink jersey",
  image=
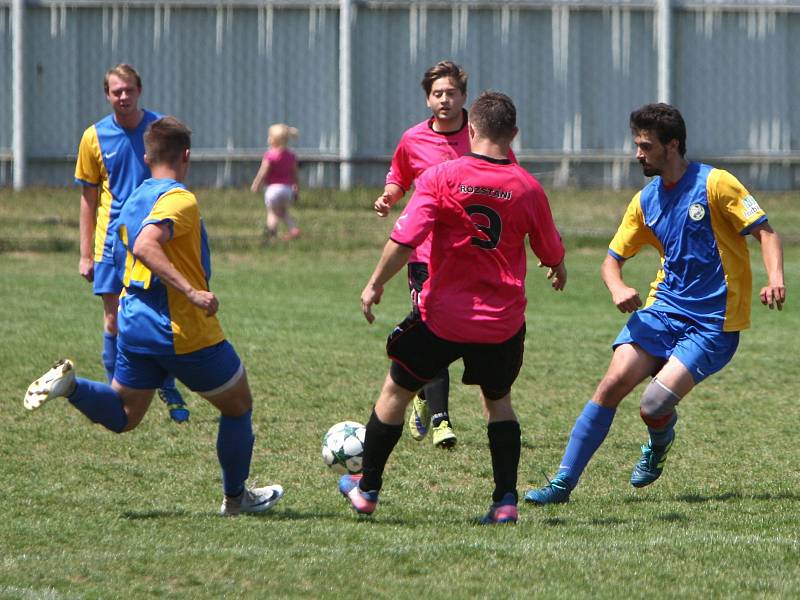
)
(477, 212)
(281, 166)
(421, 147)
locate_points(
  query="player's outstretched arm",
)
(774, 293)
(394, 258)
(87, 220)
(624, 297)
(390, 196)
(148, 249)
(557, 275)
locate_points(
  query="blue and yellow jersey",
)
(111, 158)
(155, 318)
(698, 228)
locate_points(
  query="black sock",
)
(504, 444)
(378, 445)
(436, 393)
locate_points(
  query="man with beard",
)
(697, 218)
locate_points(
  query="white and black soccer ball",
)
(343, 447)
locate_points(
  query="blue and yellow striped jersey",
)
(698, 228)
(155, 318)
(112, 158)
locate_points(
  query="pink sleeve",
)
(413, 226)
(401, 173)
(545, 239)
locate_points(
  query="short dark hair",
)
(494, 116)
(445, 68)
(663, 120)
(125, 71)
(165, 140)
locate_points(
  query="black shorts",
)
(418, 355)
(417, 275)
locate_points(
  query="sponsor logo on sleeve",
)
(751, 207)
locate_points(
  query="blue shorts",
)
(701, 350)
(106, 280)
(202, 371)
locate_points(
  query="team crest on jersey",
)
(751, 207)
(696, 212)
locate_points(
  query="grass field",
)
(89, 514)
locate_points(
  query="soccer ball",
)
(343, 447)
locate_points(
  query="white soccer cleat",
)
(58, 381)
(254, 500)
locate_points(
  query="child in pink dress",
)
(278, 172)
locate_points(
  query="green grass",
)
(89, 514)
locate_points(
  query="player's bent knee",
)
(657, 405)
(404, 378)
(613, 388)
(495, 394)
(233, 398)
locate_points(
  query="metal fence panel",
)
(574, 68)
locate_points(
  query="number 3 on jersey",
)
(488, 223)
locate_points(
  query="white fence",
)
(346, 73)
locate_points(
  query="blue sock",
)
(591, 428)
(234, 450)
(109, 354)
(169, 383)
(660, 439)
(101, 403)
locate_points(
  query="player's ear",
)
(186, 155)
(673, 145)
(146, 159)
(470, 130)
(513, 135)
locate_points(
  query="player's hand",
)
(626, 299)
(371, 295)
(382, 204)
(773, 296)
(557, 275)
(204, 300)
(86, 269)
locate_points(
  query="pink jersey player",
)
(478, 211)
(422, 147)
(475, 213)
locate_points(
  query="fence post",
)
(664, 24)
(18, 93)
(345, 95)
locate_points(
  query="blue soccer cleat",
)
(555, 492)
(503, 512)
(363, 503)
(178, 411)
(650, 465)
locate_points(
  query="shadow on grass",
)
(673, 517)
(280, 515)
(728, 496)
(597, 522)
(137, 515)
